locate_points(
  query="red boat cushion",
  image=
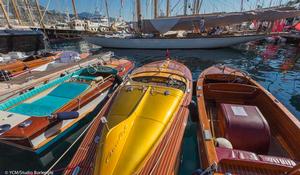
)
(233, 154)
(245, 127)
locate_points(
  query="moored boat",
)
(40, 117)
(196, 31)
(244, 129)
(39, 63)
(172, 43)
(142, 135)
(17, 67)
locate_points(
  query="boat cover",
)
(48, 104)
(15, 100)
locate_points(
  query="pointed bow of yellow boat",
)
(136, 121)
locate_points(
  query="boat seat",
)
(244, 121)
(69, 90)
(234, 154)
(229, 90)
(15, 100)
(50, 103)
(42, 107)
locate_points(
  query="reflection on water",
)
(79, 46)
(276, 67)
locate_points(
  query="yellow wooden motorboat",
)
(144, 125)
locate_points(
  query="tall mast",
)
(138, 15)
(29, 12)
(16, 11)
(168, 8)
(7, 7)
(5, 13)
(270, 3)
(107, 13)
(155, 8)
(185, 7)
(242, 5)
(40, 13)
(74, 9)
(200, 5)
(196, 6)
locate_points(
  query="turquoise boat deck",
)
(54, 100)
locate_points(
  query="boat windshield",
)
(97, 71)
(162, 81)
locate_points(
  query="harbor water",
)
(274, 66)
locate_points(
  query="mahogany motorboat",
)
(141, 129)
(17, 67)
(41, 116)
(243, 128)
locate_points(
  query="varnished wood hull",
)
(17, 67)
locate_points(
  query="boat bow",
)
(123, 146)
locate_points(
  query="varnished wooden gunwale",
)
(282, 122)
(159, 161)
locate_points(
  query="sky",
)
(128, 8)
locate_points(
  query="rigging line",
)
(177, 3)
(48, 3)
(147, 7)
(179, 10)
(246, 6)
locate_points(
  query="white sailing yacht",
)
(152, 33)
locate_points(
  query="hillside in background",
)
(50, 17)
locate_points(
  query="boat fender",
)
(67, 115)
(223, 143)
